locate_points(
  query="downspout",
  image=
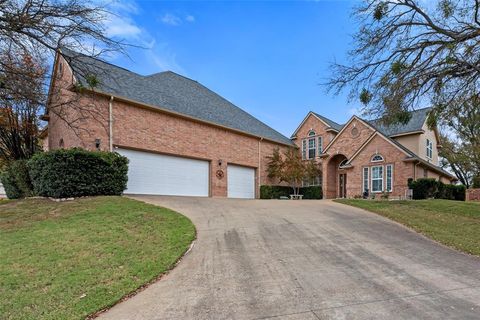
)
(110, 123)
(415, 170)
(259, 164)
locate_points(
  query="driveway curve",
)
(275, 259)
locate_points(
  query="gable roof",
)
(416, 122)
(169, 91)
(331, 123)
(411, 156)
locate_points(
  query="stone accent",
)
(473, 195)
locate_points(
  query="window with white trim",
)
(304, 149)
(377, 179)
(365, 179)
(429, 149)
(320, 145)
(389, 177)
(314, 181)
(377, 158)
(312, 147)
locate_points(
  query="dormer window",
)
(377, 158)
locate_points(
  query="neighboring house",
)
(367, 156)
(183, 139)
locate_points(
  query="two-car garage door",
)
(151, 173)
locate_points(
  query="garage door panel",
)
(151, 173)
(241, 182)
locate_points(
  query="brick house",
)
(367, 156)
(183, 139)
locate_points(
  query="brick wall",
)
(402, 170)
(473, 195)
(146, 128)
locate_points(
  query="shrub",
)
(424, 188)
(275, 192)
(313, 192)
(16, 180)
(460, 192)
(476, 182)
(77, 172)
(430, 188)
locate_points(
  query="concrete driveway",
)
(277, 259)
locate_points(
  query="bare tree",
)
(38, 28)
(411, 52)
(21, 99)
(78, 25)
(457, 157)
(462, 149)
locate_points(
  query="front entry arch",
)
(335, 178)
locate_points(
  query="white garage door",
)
(150, 173)
(241, 182)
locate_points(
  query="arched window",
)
(311, 133)
(343, 163)
(377, 158)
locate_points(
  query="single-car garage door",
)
(241, 182)
(151, 173)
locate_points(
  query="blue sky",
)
(268, 58)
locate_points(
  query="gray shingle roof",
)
(170, 91)
(331, 123)
(415, 124)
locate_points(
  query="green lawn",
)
(67, 260)
(453, 223)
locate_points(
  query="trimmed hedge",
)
(65, 173)
(275, 192)
(426, 188)
(16, 180)
(476, 182)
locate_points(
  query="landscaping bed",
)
(67, 260)
(453, 223)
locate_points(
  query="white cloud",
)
(164, 58)
(122, 27)
(171, 19)
(175, 20)
(152, 56)
(120, 22)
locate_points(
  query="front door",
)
(342, 193)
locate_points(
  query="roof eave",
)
(406, 133)
(431, 166)
(181, 115)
